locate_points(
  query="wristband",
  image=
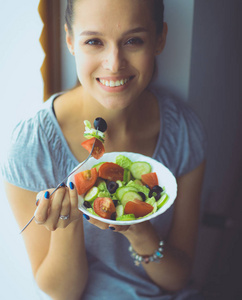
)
(156, 257)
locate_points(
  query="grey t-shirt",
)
(39, 158)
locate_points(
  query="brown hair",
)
(158, 14)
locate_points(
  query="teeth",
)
(112, 83)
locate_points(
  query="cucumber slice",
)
(129, 217)
(164, 198)
(129, 196)
(119, 210)
(139, 168)
(120, 191)
(91, 194)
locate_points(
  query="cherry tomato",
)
(104, 207)
(150, 179)
(98, 150)
(138, 208)
(85, 180)
(111, 171)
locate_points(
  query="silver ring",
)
(64, 217)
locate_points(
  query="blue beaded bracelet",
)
(147, 258)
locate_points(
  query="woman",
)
(115, 44)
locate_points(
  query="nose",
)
(114, 60)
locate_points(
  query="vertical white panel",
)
(21, 57)
(175, 60)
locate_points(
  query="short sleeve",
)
(183, 141)
(191, 142)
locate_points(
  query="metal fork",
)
(62, 182)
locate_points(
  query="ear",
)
(161, 41)
(69, 40)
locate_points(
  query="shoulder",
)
(29, 149)
(184, 138)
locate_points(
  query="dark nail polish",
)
(86, 217)
(47, 195)
(63, 184)
(37, 202)
(112, 228)
(71, 185)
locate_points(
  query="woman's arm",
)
(58, 257)
(174, 269)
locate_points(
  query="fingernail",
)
(112, 228)
(71, 185)
(47, 195)
(37, 202)
(86, 217)
(63, 184)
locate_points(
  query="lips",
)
(114, 83)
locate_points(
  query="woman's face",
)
(114, 43)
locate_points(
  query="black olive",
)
(157, 189)
(115, 202)
(100, 124)
(150, 193)
(142, 196)
(113, 216)
(112, 187)
(87, 204)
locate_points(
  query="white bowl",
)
(165, 178)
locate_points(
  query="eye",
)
(93, 42)
(135, 41)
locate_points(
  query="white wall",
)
(21, 91)
(175, 61)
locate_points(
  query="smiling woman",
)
(115, 45)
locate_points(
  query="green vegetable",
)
(92, 132)
(127, 176)
(164, 198)
(123, 161)
(129, 196)
(120, 191)
(151, 201)
(119, 210)
(139, 187)
(129, 217)
(139, 168)
(91, 194)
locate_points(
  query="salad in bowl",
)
(124, 188)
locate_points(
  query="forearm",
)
(173, 270)
(64, 271)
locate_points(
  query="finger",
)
(75, 213)
(55, 208)
(97, 223)
(38, 197)
(41, 212)
(64, 216)
(118, 228)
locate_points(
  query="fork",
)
(62, 182)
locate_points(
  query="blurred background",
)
(201, 64)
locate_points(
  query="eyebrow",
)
(135, 30)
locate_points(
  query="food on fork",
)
(95, 136)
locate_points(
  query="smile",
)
(112, 83)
